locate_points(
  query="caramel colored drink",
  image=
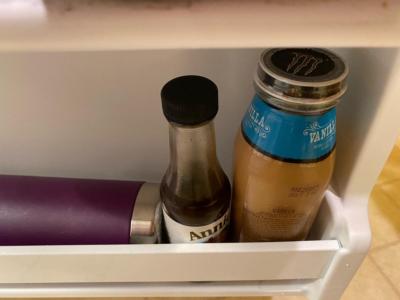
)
(299, 188)
(285, 149)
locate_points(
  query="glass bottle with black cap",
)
(195, 191)
(285, 148)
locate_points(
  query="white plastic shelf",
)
(149, 24)
(215, 289)
(138, 270)
(148, 263)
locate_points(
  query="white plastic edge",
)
(106, 25)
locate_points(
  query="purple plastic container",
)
(63, 211)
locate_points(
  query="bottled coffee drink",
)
(195, 191)
(285, 149)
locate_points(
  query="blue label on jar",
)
(289, 136)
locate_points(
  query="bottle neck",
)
(192, 148)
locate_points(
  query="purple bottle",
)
(64, 211)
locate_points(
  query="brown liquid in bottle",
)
(198, 209)
(285, 151)
(195, 191)
(276, 200)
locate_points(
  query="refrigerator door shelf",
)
(155, 270)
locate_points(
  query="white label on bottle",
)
(179, 233)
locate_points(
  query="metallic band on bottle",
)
(146, 216)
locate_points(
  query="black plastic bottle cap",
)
(189, 100)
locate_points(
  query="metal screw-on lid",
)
(301, 79)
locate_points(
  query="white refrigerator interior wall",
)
(98, 114)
